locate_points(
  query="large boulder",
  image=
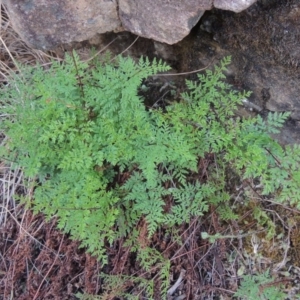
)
(163, 21)
(45, 24)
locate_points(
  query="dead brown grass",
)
(36, 260)
(39, 262)
(13, 51)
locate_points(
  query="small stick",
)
(172, 290)
(130, 45)
(184, 73)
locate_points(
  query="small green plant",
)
(260, 286)
(151, 261)
(102, 161)
(117, 286)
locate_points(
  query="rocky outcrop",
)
(44, 24)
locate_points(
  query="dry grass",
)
(28, 245)
(13, 51)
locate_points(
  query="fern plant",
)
(102, 161)
(260, 286)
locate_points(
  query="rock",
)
(161, 20)
(233, 5)
(45, 24)
(169, 21)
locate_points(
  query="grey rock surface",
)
(167, 21)
(45, 24)
(233, 5)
